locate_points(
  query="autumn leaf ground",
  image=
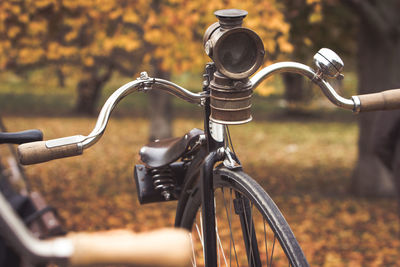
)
(305, 166)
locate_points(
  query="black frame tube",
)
(207, 184)
(208, 210)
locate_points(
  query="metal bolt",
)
(144, 75)
(221, 152)
(166, 195)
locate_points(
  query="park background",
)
(60, 60)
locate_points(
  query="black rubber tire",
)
(246, 186)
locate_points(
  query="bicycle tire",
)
(244, 187)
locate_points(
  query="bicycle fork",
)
(242, 209)
(208, 210)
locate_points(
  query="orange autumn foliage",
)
(126, 35)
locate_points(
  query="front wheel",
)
(250, 229)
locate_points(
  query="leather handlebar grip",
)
(37, 152)
(385, 100)
(165, 247)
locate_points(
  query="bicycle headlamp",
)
(237, 53)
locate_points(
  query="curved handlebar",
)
(305, 70)
(385, 100)
(143, 83)
(37, 152)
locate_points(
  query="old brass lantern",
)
(237, 53)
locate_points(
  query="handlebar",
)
(389, 99)
(294, 67)
(21, 137)
(172, 247)
(36, 152)
(385, 100)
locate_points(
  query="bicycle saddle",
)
(21, 137)
(160, 153)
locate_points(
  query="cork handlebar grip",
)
(165, 247)
(385, 100)
(37, 152)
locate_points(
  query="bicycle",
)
(73, 249)
(183, 169)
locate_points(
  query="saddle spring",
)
(163, 180)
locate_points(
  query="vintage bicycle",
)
(232, 220)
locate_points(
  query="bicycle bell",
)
(328, 63)
(237, 53)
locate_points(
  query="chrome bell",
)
(328, 63)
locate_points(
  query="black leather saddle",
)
(21, 137)
(160, 153)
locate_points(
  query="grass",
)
(305, 166)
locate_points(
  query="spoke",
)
(201, 228)
(251, 231)
(232, 240)
(265, 240)
(194, 264)
(199, 234)
(222, 250)
(218, 238)
(273, 246)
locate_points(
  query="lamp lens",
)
(238, 52)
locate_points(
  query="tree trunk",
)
(294, 91)
(88, 95)
(60, 77)
(379, 68)
(89, 90)
(160, 110)
(160, 107)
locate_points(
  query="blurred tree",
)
(378, 69)
(299, 14)
(94, 38)
(315, 24)
(85, 38)
(331, 23)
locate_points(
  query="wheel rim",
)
(244, 237)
